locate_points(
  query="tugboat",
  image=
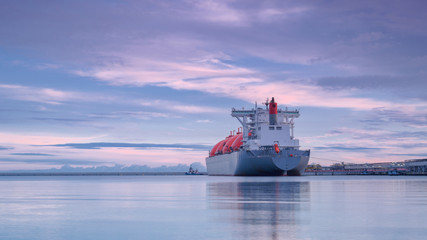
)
(192, 171)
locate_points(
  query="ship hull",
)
(259, 163)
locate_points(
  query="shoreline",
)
(5, 174)
(183, 174)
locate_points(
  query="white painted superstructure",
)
(256, 122)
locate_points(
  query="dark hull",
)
(266, 162)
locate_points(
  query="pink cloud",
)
(41, 138)
(219, 12)
(236, 82)
(386, 146)
(178, 107)
(222, 12)
(47, 95)
(154, 157)
(24, 143)
(55, 97)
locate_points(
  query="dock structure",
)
(416, 166)
(407, 167)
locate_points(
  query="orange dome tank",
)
(221, 146)
(227, 145)
(212, 152)
(238, 142)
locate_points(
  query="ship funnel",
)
(273, 112)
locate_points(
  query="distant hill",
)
(116, 168)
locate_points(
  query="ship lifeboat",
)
(276, 148)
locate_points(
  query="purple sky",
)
(138, 73)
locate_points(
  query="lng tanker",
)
(263, 146)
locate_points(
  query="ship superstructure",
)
(264, 146)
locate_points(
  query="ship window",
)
(279, 128)
(259, 128)
(271, 128)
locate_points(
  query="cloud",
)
(143, 115)
(180, 53)
(410, 154)
(204, 121)
(58, 97)
(349, 148)
(41, 138)
(101, 153)
(414, 145)
(67, 168)
(239, 83)
(195, 109)
(367, 145)
(369, 37)
(401, 88)
(70, 120)
(411, 118)
(142, 71)
(234, 14)
(51, 161)
(32, 154)
(47, 66)
(46, 95)
(277, 30)
(277, 14)
(377, 136)
(5, 148)
(178, 107)
(219, 12)
(98, 145)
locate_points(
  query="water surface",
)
(203, 207)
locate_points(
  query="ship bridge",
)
(268, 125)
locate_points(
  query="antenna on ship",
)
(266, 103)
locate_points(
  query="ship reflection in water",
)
(260, 210)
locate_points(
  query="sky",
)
(104, 83)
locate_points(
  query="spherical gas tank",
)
(237, 142)
(227, 146)
(221, 146)
(212, 152)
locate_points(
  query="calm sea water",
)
(202, 207)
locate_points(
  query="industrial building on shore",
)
(407, 167)
(416, 166)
